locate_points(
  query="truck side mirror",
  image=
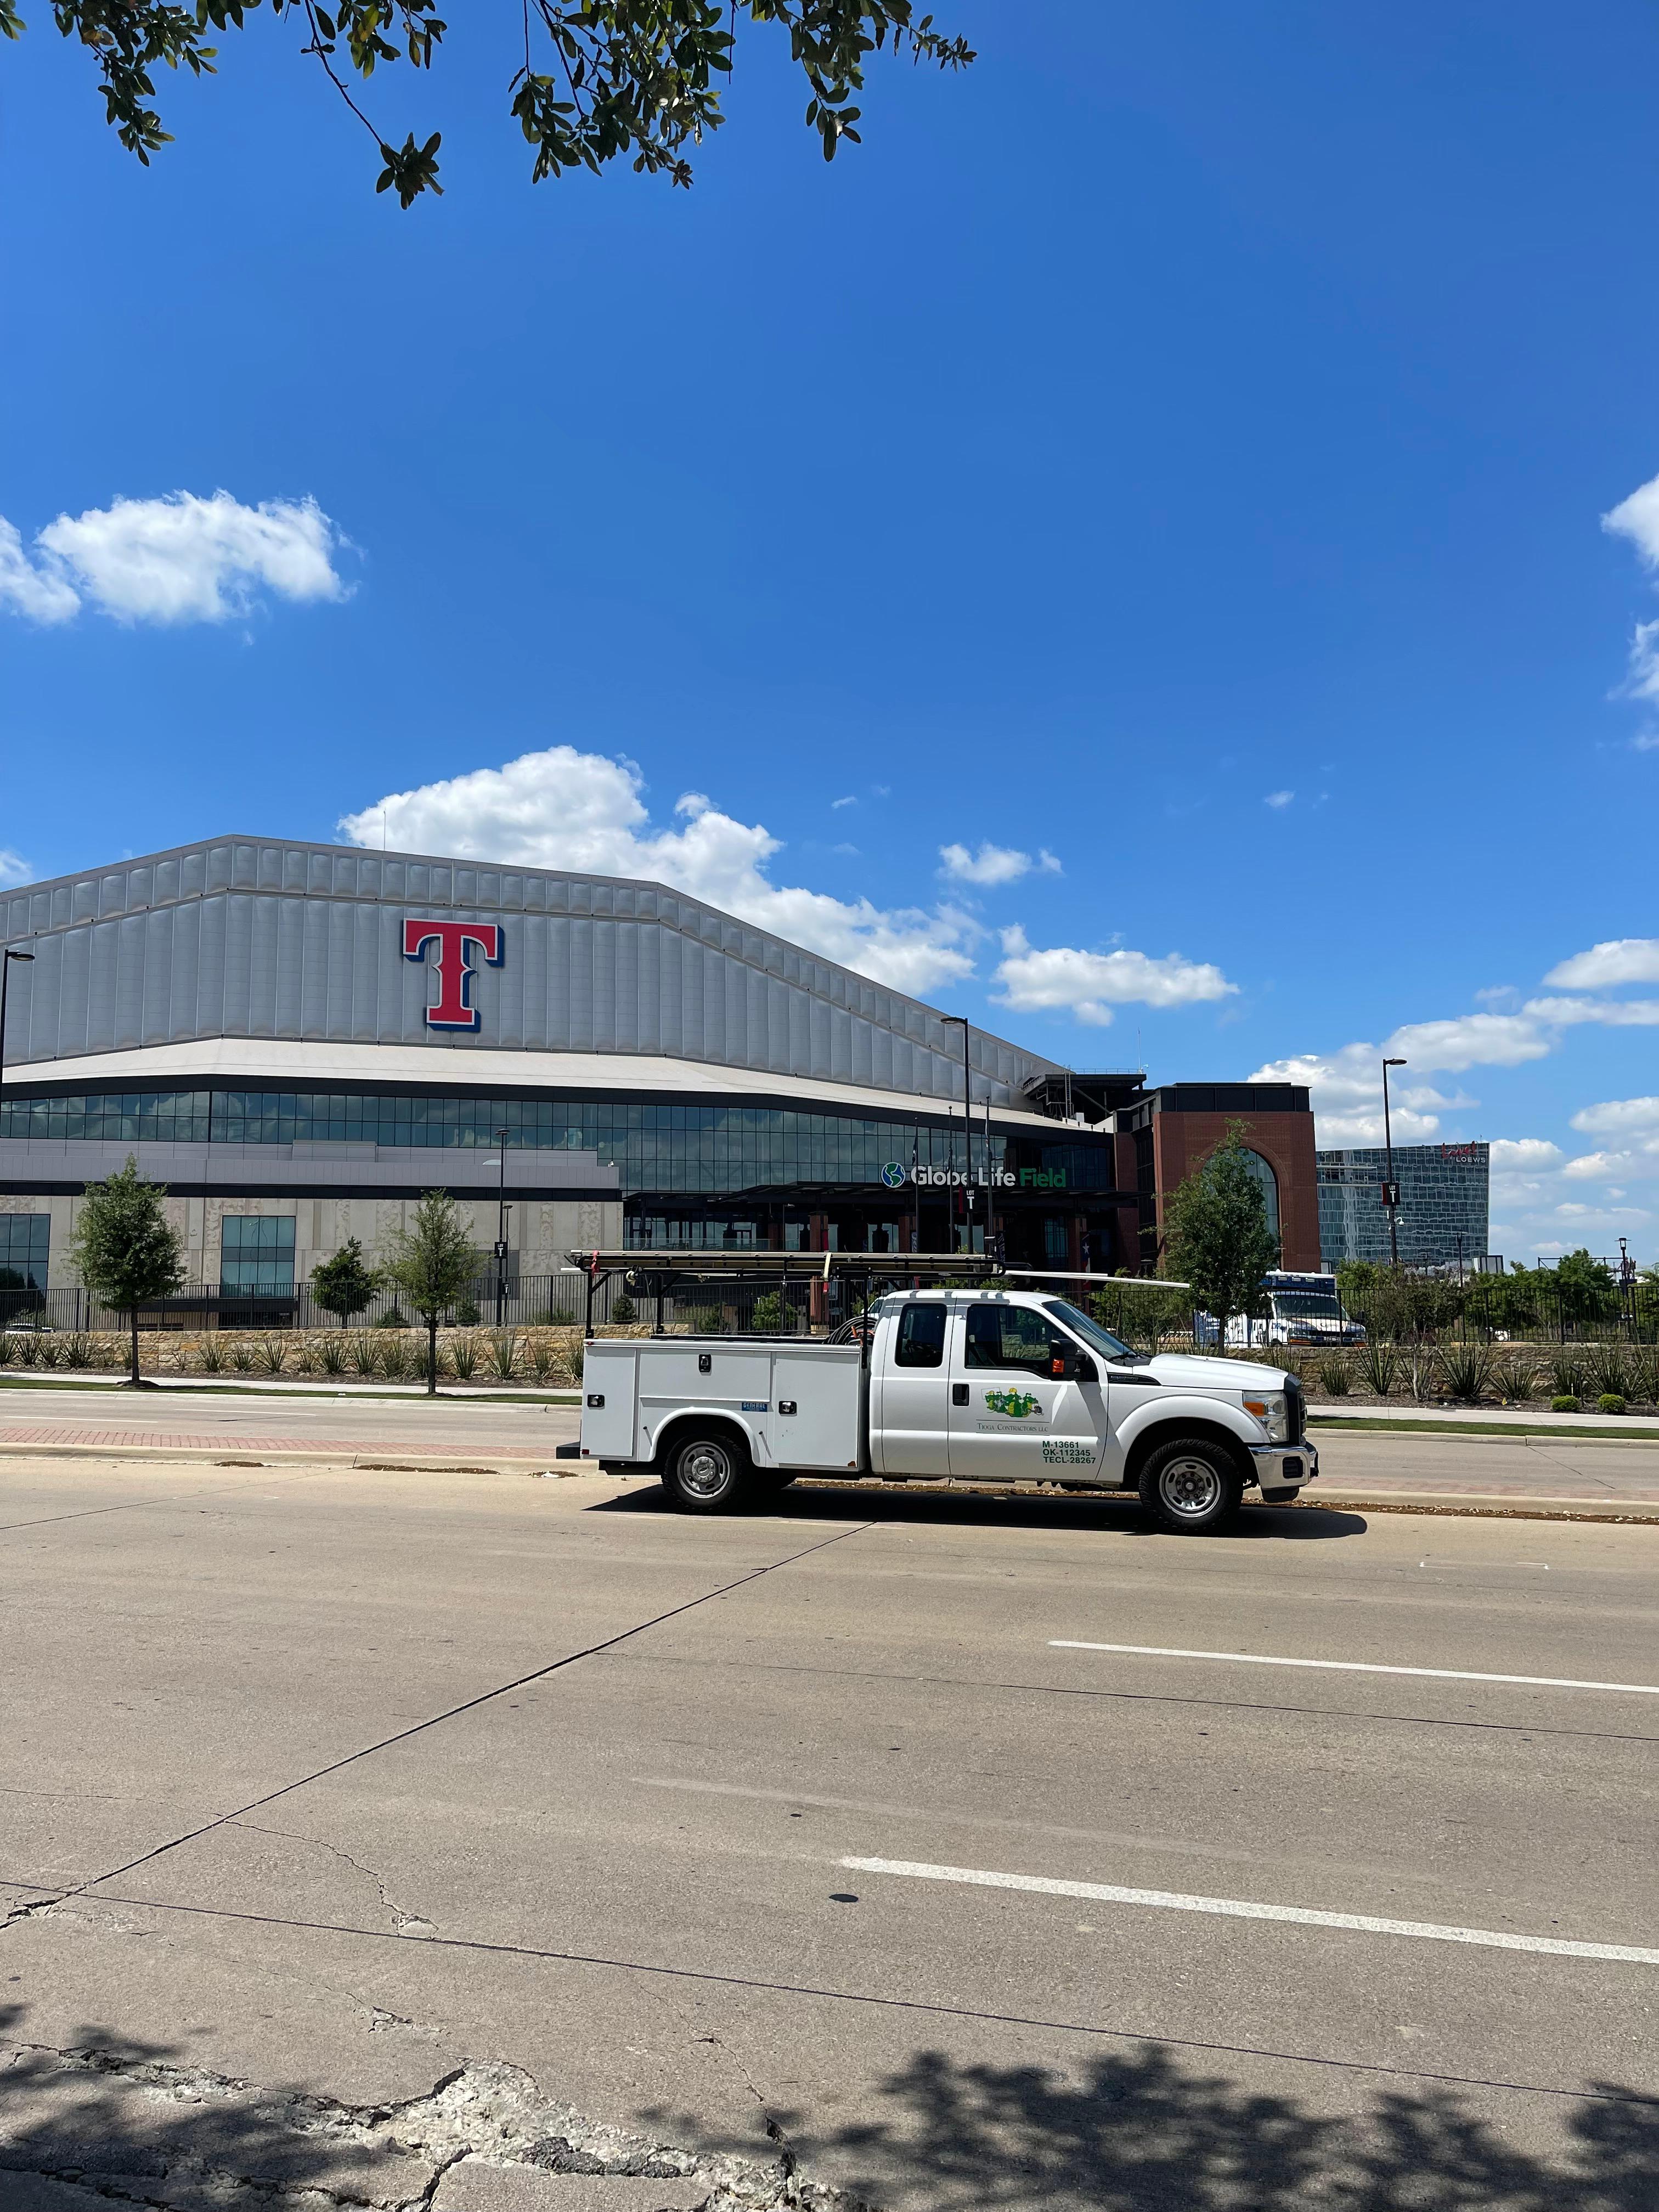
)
(1084, 1368)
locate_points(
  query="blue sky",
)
(1174, 452)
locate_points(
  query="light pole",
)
(501, 1234)
(1387, 1144)
(960, 1021)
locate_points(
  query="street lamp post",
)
(960, 1021)
(501, 1235)
(1387, 1144)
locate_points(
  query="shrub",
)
(541, 1359)
(701, 1321)
(271, 1357)
(464, 1358)
(212, 1353)
(1611, 1401)
(10, 1347)
(332, 1356)
(364, 1353)
(622, 1307)
(560, 1317)
(1567, 1374)
(78, 1350)
(1422, 1373)
(504, 1354)
(1514, 1379)
(466, 1314)
(1335, 1377)
(392, 1318)
(42, 1353)
(770, 1313)
(394, 1359)
(1467, 1371)
(241, 1356)
(1379, 1368)
(1606, 1371)
(1563, 1404)
(1644, 1373)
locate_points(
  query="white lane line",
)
(1358, 1666)
(1237, 1908)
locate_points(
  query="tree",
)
(1585, 1288)
(125, 1249)
(597, 79)
(343, 1286)
(432, 1264)
(1216, 1232)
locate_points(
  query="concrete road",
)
(487, 1842)
(1603, 1474)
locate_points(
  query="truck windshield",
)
(1305, 1306)
(1090, 1330)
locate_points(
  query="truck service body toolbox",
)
(985, 1386)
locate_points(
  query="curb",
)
(368, 1461)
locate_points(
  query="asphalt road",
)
(401, 1837)
(1376, 1465)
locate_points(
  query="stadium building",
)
(300, 1040)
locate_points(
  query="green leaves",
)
(1216, 1231)
(410, 169)
(612, 77)
(124, 1246)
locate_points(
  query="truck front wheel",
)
(705, 1471)
(1191, 1487)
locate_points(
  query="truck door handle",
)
(596, 1397)
(958, 1393)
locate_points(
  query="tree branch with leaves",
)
(597, 79)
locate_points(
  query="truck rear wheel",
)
(705, 1471)
(1191, 1487)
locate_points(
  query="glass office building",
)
(1443, 1214)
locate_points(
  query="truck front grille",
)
(1296, 1406)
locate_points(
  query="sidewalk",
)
(1409, 1413)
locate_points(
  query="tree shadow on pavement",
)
(1143, 2132)
(107, 2118)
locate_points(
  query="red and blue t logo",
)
(454, 1009)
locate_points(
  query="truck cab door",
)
(909, 1419)
(1026, 1404)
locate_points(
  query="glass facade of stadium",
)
(693, 1174)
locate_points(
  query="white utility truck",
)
(1301, 1310)
(975, 1385)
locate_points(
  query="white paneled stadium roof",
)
(256, 959)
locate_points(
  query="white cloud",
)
(1619, 960)
(174, 560)
(14, 869)
(1089, 984)
(993, 864)
(1279, 799)
(1469, 1040)
(565, 809)
(1618, 1116)
(836, 804)
(1615, 1013)
(1524, 1155)
(36, 594)
(1637, 518)
(1346, 1096)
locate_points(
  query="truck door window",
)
(1013, 1336)
(920, 1337)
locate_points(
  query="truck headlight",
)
(1273, 1414)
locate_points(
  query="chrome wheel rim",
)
(1190, 1487)
(705, 1469)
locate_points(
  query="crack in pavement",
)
(144, 2131)
(238, 1813)
(403, 1923)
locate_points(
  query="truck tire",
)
(1191, 1487)
(706, 1470)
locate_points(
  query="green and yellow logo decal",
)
(1016, 1404)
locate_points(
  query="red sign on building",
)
(454, 1009)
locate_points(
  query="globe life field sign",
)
(895, 1176)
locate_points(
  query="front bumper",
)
(1281, 1469)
